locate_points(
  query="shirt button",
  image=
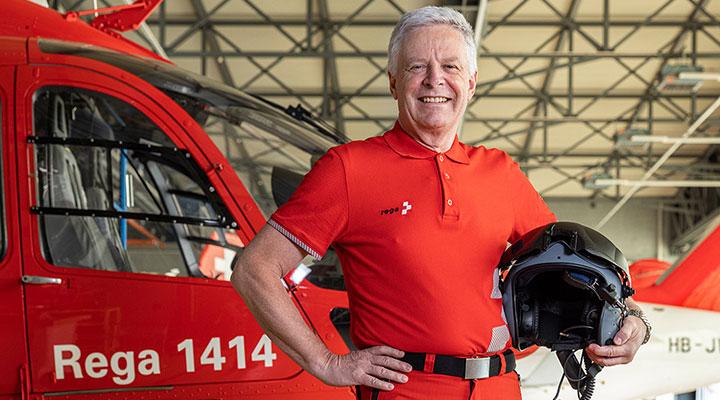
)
(450, 202)
(441, 158)
(447, 176)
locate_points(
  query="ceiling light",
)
(590, 181)
(627, 137)
(672, 80)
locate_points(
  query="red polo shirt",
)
(418, 235)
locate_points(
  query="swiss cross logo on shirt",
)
(406, 207)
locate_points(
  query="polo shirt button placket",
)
(449, 204)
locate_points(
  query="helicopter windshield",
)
(269, 150)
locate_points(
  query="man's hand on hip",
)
(372, 367)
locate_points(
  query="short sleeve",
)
(317, 213)
(529, 208)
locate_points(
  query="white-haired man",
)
(419, 222)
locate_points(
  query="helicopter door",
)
(12, 327)
(128, 246)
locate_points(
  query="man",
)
(419, 222)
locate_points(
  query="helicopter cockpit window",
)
(268, 146)
(114, 193)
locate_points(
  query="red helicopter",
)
(121, 218)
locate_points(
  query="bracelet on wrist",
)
(641, 315)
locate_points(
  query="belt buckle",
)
(477, 368)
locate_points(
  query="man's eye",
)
(416, 68)
(451, 66)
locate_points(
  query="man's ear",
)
(473, 84)
(393, 81)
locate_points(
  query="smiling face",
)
(432, 84)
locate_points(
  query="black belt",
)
(467, 368)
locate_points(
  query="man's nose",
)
(434, 76)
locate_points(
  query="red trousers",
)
(421, 385)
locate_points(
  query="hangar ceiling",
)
(562, 84)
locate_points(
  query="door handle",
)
(41, 280)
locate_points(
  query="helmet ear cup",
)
(529, 318)
(590, 314)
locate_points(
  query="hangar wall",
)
(634, 229)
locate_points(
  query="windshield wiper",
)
(302, 114)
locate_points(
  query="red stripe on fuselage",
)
(693, 283)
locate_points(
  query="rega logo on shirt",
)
(406, 207)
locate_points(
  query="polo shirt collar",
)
(406, 146)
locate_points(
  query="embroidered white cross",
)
(406, 207)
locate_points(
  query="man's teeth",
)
(434, 99)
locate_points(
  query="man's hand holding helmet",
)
(627, 341)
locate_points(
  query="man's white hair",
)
(427, 16)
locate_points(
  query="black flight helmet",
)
(564, 286)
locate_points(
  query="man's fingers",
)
(392, 363)
(373, 382)
(621, 337)
(592, 353)
(387, 374)
(604, 351)
(372, 368)
(388, 357)
(626, 343)
(609, 361)
(386, 351)
(609, 355)
(625, 333)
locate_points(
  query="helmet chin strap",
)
(582, 380)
